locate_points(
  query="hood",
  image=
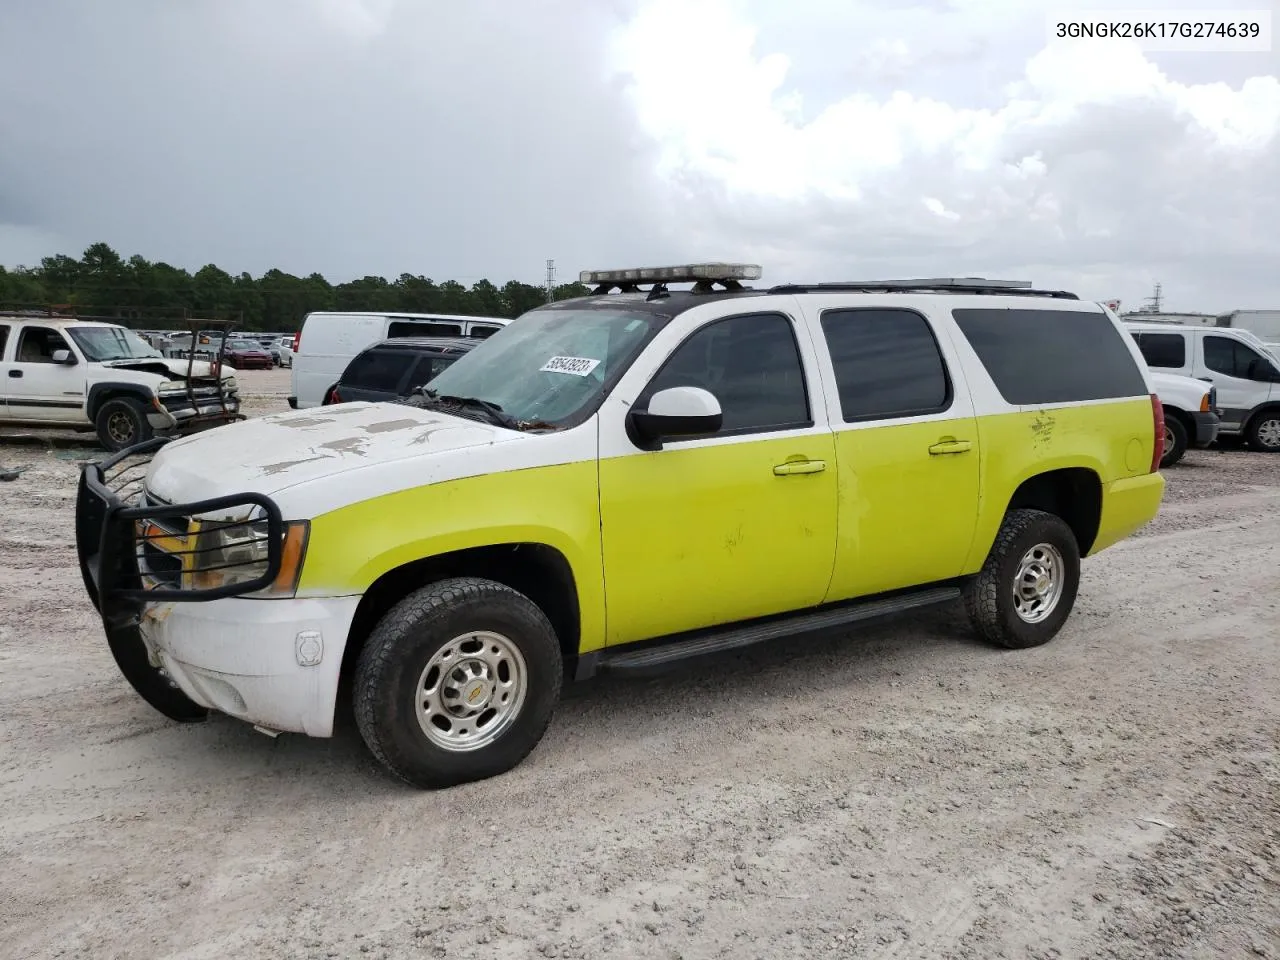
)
(172, 368)
(1176, 381)
(267, 454)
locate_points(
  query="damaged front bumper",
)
(191, 411)
(112, 542)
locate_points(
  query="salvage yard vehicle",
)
(62, 373)
(619, 482)
(1244, 371)
(1190, 414)
(245, 354)
(395, 368)
(332, 339)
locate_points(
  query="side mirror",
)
(675, 412)
(64, 357)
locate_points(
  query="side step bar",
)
(734, 636)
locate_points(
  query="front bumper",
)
(188, 413)
(272, 663)
(184, 649)
(1207, 425)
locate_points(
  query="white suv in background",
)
(1190, 414)
(1244, 371)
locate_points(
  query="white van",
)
(330, 339)
(1244, 370)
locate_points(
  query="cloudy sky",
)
(824, 139)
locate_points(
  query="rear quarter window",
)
(1052, 356)
(1163, 349)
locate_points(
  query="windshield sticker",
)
(578, 366)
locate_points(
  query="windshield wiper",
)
(492, 411)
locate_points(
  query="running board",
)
(735, 636)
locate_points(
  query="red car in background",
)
(246, 354)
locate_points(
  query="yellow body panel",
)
(700, 536)
(693, 537)
(1114, 440)
(1127, 506)
(352, 547)
(906, 516)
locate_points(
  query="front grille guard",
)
(111, 509)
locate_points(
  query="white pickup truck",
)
(61, 373)
(1190, 414)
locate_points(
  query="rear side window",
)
(887, 364)
(1052, 356)
(377, 370)
(483, 332)
(4, 338)
(1163, 349)
(416, 328)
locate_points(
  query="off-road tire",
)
(1178, 432)
(398, 651)
(988, 596)
(112, 414)
(1255, 434)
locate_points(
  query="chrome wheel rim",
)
(1269, 434)
(1038, 586)
(120, 427)
(471, 691)
(1168, 439)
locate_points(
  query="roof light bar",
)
(684, 273)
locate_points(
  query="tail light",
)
(297, 343)
(335, 397)
(1157, 421)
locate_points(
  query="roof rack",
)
(973, 285)
(703, 276)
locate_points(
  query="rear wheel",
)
(1175, 440)
(1263, 433)
(457, 682)
(121, 423)
(1027, 588)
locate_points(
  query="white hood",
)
(268, 454)
(177, 369)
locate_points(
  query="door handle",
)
(950, 446)
(1205, 379)
(15, 373)
(793, 467)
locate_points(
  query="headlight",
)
(171, 387)
(231, 553)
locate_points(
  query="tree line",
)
(139, 293)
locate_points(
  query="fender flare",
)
(100, 393)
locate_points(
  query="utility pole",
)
(551, 280)
(1153, 301)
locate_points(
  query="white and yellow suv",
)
(618, 482)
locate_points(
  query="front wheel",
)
(457, 682)
(1263, 433)
(1026, 589)
(122, 423)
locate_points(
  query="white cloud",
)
(1093, 166)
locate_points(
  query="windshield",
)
(243, 345)
(112, 343)
(548, 366)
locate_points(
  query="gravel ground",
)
(905, 793)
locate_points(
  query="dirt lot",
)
(903, 793)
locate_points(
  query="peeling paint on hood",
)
(268, 454)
